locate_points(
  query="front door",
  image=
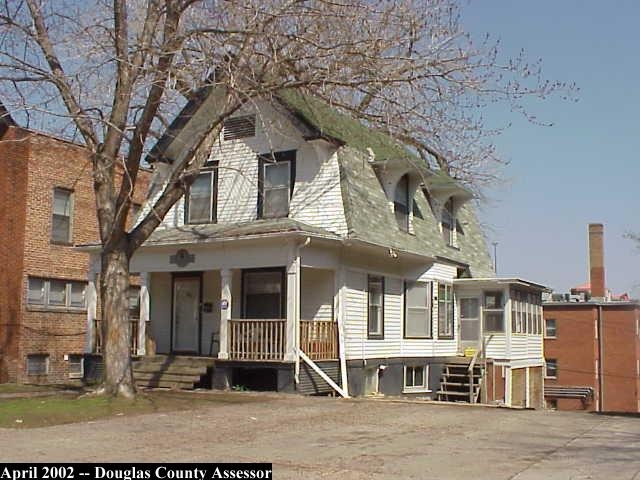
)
(186, 314)
(469, 322)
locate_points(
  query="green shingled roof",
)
(330, 122)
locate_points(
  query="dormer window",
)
(401, 203)
(448, 223)
(276, 177)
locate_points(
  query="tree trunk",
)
(116, 333)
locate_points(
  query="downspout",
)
(600, 361)
(299, 247)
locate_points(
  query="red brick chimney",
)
(596, 260)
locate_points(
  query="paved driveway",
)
(312, 438)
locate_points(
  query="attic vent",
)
(239, 127)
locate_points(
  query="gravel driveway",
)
(307, 437)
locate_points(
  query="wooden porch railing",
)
(319, 339)
(133, 330)
(265, 339)
(262, 339)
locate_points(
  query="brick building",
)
(592, 345)
(47, 206)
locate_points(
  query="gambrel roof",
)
(362, 154)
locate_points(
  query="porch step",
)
(176, 372)
(457, 385)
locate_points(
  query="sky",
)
(583, 169)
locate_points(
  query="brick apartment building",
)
(47, 206)
(592, 345)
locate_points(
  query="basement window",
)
(416, 379)
(239, 127)
(38, 364)
(76, 366)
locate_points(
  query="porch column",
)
(293, 302)
(339, 279)
(144, 314)
(225, 311)
(91, 296)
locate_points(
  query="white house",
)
(313, 254)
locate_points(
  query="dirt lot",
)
(353, 439)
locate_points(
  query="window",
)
(53, 293)
(38, 364)
(76, 366)
(202, 198)
(401, 203)
(550, 328)
(416, 379)
(61, 218)
(263, 293)
(445, 311)
(417, 315)
(134, 302)
(493, 312)
(448, 223)
(551, 368)
(375, 315)
(276, 176)
(239, 127)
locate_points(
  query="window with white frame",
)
(201, 204)
(375, 311)
(445, 311)
(276, 178)
(401, 203)
(55, 293)
(417, 315)
(62, 212)
(416, 378)
(38, 364)
(551, 368)
(550, 328)
(493, 312)
(76, 365)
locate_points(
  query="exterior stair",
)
(455, 382)
(176, 372)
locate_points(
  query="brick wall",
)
(576, 350)
(45, 163)
(14, 150)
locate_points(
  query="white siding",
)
(393, 344)
(440, 272)
(316, 294)
(317, 198)
(497, 346)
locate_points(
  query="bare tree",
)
(112, 74)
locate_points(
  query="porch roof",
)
(211, 232)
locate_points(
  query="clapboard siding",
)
(393, 344)
(440, 272)
(311, 383)
(316, 199)
(316, 294)
(497, 346)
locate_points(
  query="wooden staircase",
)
(170, 371)
(461, 381)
